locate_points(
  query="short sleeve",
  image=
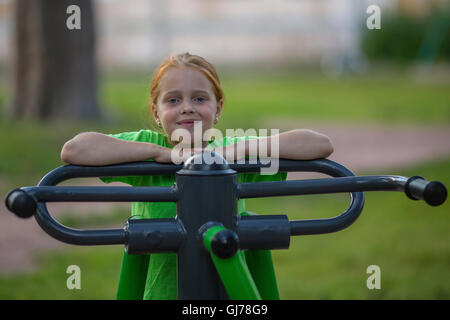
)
(139, 136)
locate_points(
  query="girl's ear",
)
(155, 112)
(155, 115)
(219, 108)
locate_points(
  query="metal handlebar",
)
(26, 201)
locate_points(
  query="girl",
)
(185, 89)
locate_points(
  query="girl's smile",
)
(187, 123)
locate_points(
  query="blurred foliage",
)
(404, 38)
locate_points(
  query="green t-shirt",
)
(161, 282)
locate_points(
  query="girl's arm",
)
(298, 144)
(303, 144)
(97, 149)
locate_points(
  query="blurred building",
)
(228, 32)
(139, 33)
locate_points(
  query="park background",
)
(381, 95)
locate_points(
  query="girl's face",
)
(186, 95)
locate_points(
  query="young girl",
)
(185, 89)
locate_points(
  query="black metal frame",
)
(206, 194)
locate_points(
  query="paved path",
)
(381, 149)
(359, 148)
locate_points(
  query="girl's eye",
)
(200, 99)
(172, 100)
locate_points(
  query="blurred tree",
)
(55, 69)
(405, 38)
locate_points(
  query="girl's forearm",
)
(298, 144)
(97, 149)
(304, 144)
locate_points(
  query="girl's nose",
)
(186, 107)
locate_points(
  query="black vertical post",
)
(207, 193)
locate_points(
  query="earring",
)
(158, 123)
(216, 120)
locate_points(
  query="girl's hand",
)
(180, 155)
(232, 152)
(163, 155)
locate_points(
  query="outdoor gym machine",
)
(207, 233)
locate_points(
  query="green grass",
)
(349, 99)
(99, 272)
(30, 150)
(74, 220)
(251, 99)
(407, 239)
(127, 97)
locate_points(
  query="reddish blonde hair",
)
(186, 60)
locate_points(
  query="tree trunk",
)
(55, 69)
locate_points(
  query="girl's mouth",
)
(186, 123)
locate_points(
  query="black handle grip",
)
(433, 192)
(20, 203)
